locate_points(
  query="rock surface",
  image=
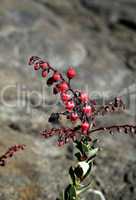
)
(99, 39)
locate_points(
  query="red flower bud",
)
(56, 76)
(63, 86)
(65, 97)
(71, 73)
(85, 127)
(84, 97)
(61, 143)
(44, 65)
(44, 73)
(87, 110)
(70, 105)
(36, 66)
(74, 117)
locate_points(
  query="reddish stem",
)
(115, 127)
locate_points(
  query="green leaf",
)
(78, 156)
(85, 148)
(89, 170)
(70, 193)
(79, 146)
(72, 175)
(84, 188)
(93, 152)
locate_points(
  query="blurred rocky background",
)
(98, 37)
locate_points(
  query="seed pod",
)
(50, 81)
(54, 118)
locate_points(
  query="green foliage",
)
(70, 193)
(86, 152)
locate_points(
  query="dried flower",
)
(10, 153)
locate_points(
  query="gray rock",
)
(98, 38)
(115, 10)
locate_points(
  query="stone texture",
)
(99, 39)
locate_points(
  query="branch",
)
(10, 153)
(64, 134)
(115, 106)
(127, 128)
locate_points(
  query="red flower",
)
(44, 65)
(61, 143)
(84, 97)
(63, 86)
(36, 66)
(70, 105)
(56, 76)
(85, 127)
(71, 73)
(74, 117)
(65, 96)
(87, 110)
(44, 73)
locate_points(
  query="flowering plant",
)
(82, 112)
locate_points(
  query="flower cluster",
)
(77, 103)
(10, 153)
(78, 106)
(65, 135)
